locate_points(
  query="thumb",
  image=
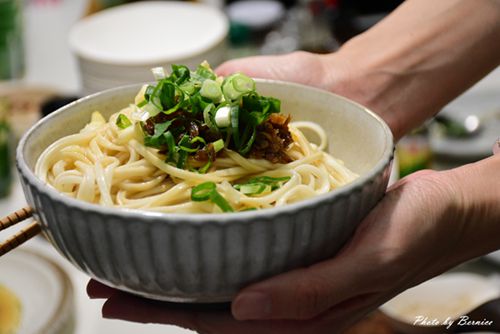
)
(265, 67)
(299, 294)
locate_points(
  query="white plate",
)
(44, 290)
(495, 257)
(149, 32)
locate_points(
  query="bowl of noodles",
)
(194, 186)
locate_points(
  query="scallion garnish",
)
(242, 83)
(205, 168)
(218, 145)
(158, 73)
(252, 188)
(223, 117)
(211, 90)
(235, 125)
(194, 114)
(198, 139)
(123, 122)
(258, 185)
(234, 86)
(208, 191)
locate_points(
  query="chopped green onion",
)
(208, 118)
(188, 87)
(181, 161)
(211, 90)
(151, 109)
(158, 73)
(202, 191)
(249, 209)
(237, 85)
(160, 128)
(245, 149)
(218, 145)
(259, 184)
(235, 132)
(208, 191)
(268, 179)
(221, 202)
(242, 83)
(198, 139)
(205, 168)
(180, 74)
(223, 117)
(188, 149)
(149, 92)
(205, 71)
(183, 142)
(169, 139)
(123, 122)
(231, 109)
(252, 188)
(228, 91)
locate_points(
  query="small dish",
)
(44, 290)
(439, 303)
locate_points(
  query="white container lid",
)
(148, 32)
(256, 14)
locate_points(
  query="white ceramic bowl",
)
(209, 257)
(120, 45)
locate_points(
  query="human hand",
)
(412, 235)
(300, 67)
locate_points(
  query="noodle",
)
(110, 166)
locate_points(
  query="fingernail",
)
(251, 306)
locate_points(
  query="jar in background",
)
(11, 40)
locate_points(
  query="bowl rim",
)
(204, 218)
(92, 57)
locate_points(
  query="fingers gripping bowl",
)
(209, 257)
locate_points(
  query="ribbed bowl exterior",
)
(204, 258)
(206, 262)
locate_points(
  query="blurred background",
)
(54, 51)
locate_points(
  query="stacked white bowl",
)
(119, 46)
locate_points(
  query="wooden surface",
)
(375, 323)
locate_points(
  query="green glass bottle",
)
(11, 40)
(5, 151)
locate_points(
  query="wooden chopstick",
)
(23, 235)
(20, 237)
(15, 217)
